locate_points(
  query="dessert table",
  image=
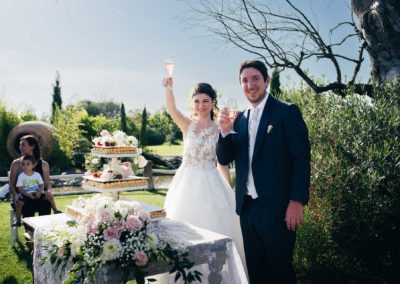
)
(215, 255)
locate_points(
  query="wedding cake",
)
(114, 175)
(115, 143)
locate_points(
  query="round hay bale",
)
(43, 131)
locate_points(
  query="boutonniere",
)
(269, 129)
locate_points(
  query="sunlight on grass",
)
(167, 150)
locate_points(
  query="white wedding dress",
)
(198, 193)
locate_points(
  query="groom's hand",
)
(294, 215)
(225, 123)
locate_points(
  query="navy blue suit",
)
(281, 171)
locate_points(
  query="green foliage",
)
(8, 120)
(70, 138)
(91, 126)
(109, 109)
(124, 126)
(57, 100)
(154, 137)
(275, 84)
(352, 227)
(28, 115)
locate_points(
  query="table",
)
(215, 254)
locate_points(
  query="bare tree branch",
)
(282, 40)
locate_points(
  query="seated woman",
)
(29, 145)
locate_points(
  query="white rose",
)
(142, 162)
(95, 161)
(120, 138)
(132, 140)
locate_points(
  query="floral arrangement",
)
(113, 231)
(117, 138)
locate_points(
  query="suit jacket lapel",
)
(265, 118)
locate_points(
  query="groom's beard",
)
(257, 100)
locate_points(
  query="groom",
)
(270, 147)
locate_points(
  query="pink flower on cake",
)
(104, 133)
(133, 222)
(126, 169)
(140, 258)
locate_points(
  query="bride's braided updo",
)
(207, 89)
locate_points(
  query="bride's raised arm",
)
(180, 120)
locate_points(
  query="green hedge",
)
(352, 228)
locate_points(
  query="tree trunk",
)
(380, 26)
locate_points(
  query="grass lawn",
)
(167, 150)
(16, 263)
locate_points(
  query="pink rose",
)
(133, 222)
(110, 233)
(106, 214)
(140, 258)
(104, 133)
(91, 228)
(119, 226)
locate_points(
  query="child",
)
(30, 185)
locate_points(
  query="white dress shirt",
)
(254, 122)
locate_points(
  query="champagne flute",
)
(232, 107)
(169, 67)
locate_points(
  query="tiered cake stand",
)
(114, 192)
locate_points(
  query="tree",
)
(109, 108)
(380, 27)
(275, 84)
(142, 137)
(124, 126)
(285, 37)
(57, 100)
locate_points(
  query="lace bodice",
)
(199, 146)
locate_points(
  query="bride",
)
(198, 193)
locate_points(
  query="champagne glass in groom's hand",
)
(227, 116)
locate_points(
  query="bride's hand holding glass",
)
(168, 82)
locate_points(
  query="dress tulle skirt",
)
(203, 198)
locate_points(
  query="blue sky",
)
(116, 49)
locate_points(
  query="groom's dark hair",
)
(256, 64)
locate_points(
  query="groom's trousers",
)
(268, 244)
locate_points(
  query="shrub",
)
(154, 137)
(8, 120)
(352, 224)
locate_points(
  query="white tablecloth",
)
(215, 252)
